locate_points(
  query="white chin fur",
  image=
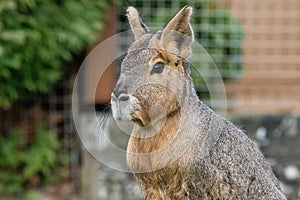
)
(121, 110)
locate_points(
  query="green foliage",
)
(23, 163)
(32, 195)
(38, 37)
(221, 35)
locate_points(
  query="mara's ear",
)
(177, 37)
(137, 26)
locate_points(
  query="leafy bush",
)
(38, 37)
(22, 164)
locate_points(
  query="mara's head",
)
(154, 74)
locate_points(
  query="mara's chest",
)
(164, 184)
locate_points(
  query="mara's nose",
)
(120, 92)
(123, 97)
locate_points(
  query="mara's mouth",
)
(140, 122)
(140, 117)
(151, 116)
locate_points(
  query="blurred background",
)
(254, 44)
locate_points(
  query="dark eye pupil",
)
(158, 68)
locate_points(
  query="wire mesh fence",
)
(253, 44)
(29, 127)
(271, 78)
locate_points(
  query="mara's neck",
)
(154, 136)
(151, 148)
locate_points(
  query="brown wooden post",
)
(94, 65)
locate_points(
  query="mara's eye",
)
(158, 68)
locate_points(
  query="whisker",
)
(102, 125)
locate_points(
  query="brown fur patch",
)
(149, 96)
(169, 60)
(165, 136)
(165, 184)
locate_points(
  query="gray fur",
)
(208, 158)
